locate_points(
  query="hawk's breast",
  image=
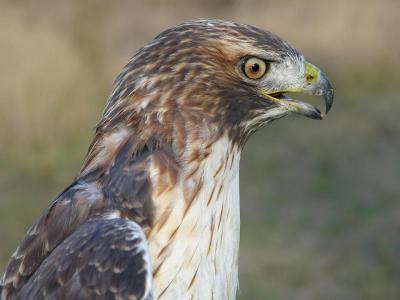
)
(194, 242)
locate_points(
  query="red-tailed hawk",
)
(154, 212)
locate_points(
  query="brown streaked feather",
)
(149, 163)
(105, 258)
(124, 186)
(62, 217)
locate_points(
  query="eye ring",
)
(254, 68)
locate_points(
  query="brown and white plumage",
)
(154, 212)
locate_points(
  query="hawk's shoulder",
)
(105, 258)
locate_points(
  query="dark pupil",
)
(255, 68)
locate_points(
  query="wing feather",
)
(66, 213)
(105, 258)
(122, 187)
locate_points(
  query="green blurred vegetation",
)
(320, 200)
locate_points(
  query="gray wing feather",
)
(105, 258)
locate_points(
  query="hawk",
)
(154, 211)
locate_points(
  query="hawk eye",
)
(255, 68)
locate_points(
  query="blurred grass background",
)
(320, 200)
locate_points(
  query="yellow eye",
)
(255, 68)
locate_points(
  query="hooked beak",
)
(317, 84)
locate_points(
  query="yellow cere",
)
(311, 76)
(312, 73)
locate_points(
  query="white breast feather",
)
(189, 265)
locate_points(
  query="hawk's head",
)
(234, 76)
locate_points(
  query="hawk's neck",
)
(184, 191)
(194, 242)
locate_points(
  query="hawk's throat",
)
(194, 242)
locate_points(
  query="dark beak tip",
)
(315, 114)
(328, 97)
(326, 89)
